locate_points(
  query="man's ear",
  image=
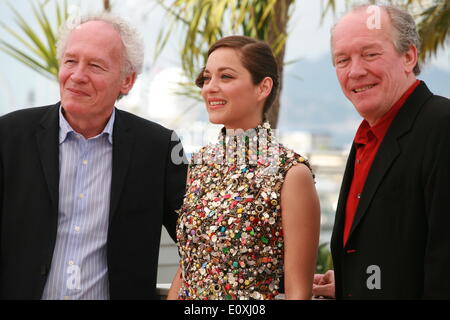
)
(127, 83)
(264, 88)
(410, 60)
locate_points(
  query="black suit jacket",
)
(401, 224)
(146, 188)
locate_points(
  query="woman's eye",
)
(226, 76)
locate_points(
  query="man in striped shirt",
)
(86, 187)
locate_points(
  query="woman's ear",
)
(265, 88)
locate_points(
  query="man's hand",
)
(323, 285)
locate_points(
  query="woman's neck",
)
(244, 125)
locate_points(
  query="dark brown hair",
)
(257, 57)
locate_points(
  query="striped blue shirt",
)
(79, 267)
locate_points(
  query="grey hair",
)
(133, 46)
(405, 30)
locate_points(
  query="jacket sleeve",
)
(175, 183)
(437, 193)
(1, 195)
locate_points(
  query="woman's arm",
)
(300, 211)
(175, 287)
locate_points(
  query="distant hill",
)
(313, 101)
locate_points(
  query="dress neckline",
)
(253, 146)
(241, 133)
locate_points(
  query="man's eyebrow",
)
(368, 46)
(372, 46)
(98, 60)
(68, 54)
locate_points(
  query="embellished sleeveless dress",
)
(229, 230)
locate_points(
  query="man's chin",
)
(74, 108)
(364, 106)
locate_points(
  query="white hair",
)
(133, 46)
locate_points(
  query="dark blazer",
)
(401, 224)
(146, 188)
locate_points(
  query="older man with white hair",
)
(85, 187)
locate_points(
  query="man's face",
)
(90, 73)
(372, 74)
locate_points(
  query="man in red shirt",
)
(390, 238)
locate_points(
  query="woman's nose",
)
(211, 85)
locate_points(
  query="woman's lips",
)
(216, 103)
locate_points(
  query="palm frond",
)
(26, 59)
(329, 6)
(434, 28)
(206, 21)
(39, 52)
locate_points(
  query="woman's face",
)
(230, 96)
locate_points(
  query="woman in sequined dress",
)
(251, 213)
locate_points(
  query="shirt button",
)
(81, 195)
(85, 162)
(358, 195)
(77, 228)
(66, 298)
(71, 262)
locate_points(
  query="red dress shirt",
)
(367, 140)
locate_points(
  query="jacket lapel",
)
(387, 153)
(122, 147)
(389, 150)
(338, 228)
(47, 138)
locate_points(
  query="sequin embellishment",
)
(229, 229)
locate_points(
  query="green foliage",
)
(324, 259)
(39, 52)
(434, 28)
(206, 21)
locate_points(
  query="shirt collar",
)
(366, 132)
(65, 128)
